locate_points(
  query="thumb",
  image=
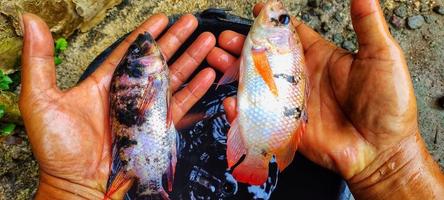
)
(38, 69)
(370, 26)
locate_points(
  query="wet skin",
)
(362, 109)
(69, 130)
(362, 113)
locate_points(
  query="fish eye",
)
(284, 19)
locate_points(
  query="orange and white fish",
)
(271, 97)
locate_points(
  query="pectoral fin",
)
(263, 68)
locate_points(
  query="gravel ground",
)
(417, 24)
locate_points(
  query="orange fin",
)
(235, 146)
(231, 75)
(285, 156)
(263, 68)
(119, 181)
(253, 170)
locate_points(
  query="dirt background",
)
(418, 25)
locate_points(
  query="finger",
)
(177, 35)
(232, 41)
(370, 26)
(220, 59)
(38, 69)
(153, 25)
(185, 65)
(230, 108)
(184, 99)
(257, 9)
(189, 120)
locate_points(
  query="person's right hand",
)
(362, 115)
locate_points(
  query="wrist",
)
(55, 188)
(404, 171)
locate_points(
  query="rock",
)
(401, 11)
(10, 47)
(325, 27)
(62, 16)
(350, 27)
(429, 18)
(326, 6)
(305, 17)
(439, 9)
(415, 22)
(12, 112)
(348, 45)
(338, 16)
(337, 38)
(314, 3)
(396, 21)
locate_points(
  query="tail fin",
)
(118, 178)
(121, 180)
(253, 170)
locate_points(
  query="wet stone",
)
(305, 17)
(325, 27)
(401, 11)
(349, 45)
(337, 38)
(338, 16)
(326, 6)
(396, 21)
(415, 22)
(439, 9)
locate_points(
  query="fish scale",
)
(144, 142)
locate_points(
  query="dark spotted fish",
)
(271, 97)
(144, 136)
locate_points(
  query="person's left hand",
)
(69, 130)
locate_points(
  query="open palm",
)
(361, 106)
(69, 130)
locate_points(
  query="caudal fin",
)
(121, 180)
(252, 170)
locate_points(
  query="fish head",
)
(145, 54)
(273, 27)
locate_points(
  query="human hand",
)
(69, 130)
(362, 115)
